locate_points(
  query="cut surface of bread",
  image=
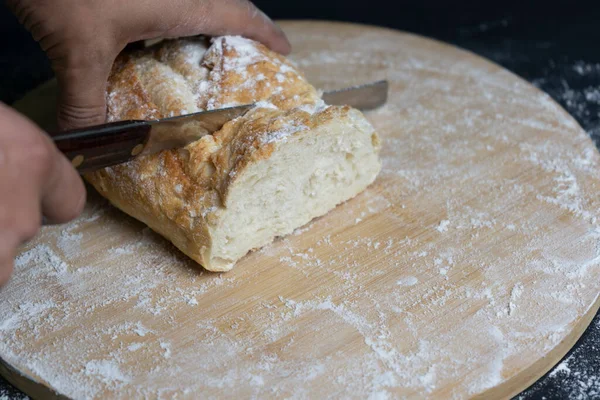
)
(290, 159)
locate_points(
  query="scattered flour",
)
(334, 310)
(108, 371)
(575, 378)
(443, 226)
(135, 346)
(9, 395)
(515, 294)
(140, 330)
(408, 281)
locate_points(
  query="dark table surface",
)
(555, 47)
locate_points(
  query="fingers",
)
(8, 247)
(82, 50)
(208, 17)
(35, 177)
(63, 194)
(241, 17)
(77, 37)
(82, 94)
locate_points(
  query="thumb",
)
(82, 94)
(78, 43)
(207, 17)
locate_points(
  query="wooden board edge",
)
(27, 384)
(524, 379)
(507, 389)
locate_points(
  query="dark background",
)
(556, 46)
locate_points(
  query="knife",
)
(101, 146)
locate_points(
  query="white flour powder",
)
(485, 255)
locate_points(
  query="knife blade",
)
(363, 97)
(101, 146)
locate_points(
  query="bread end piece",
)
(289, 160)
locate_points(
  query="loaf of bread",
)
(288, 160)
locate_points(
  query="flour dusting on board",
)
(7, 395)
(475, 252)
(574, 378)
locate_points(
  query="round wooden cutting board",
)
(467, 269)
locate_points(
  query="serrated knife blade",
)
(114, 143)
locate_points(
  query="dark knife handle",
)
(101, 146)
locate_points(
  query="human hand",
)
(82, 38)
(35, 180)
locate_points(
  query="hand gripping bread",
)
(290, 159)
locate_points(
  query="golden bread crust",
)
(181, 193)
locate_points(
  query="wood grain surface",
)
(468, 269)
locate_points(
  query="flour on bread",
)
(288, 160)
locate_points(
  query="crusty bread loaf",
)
(290, 159)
